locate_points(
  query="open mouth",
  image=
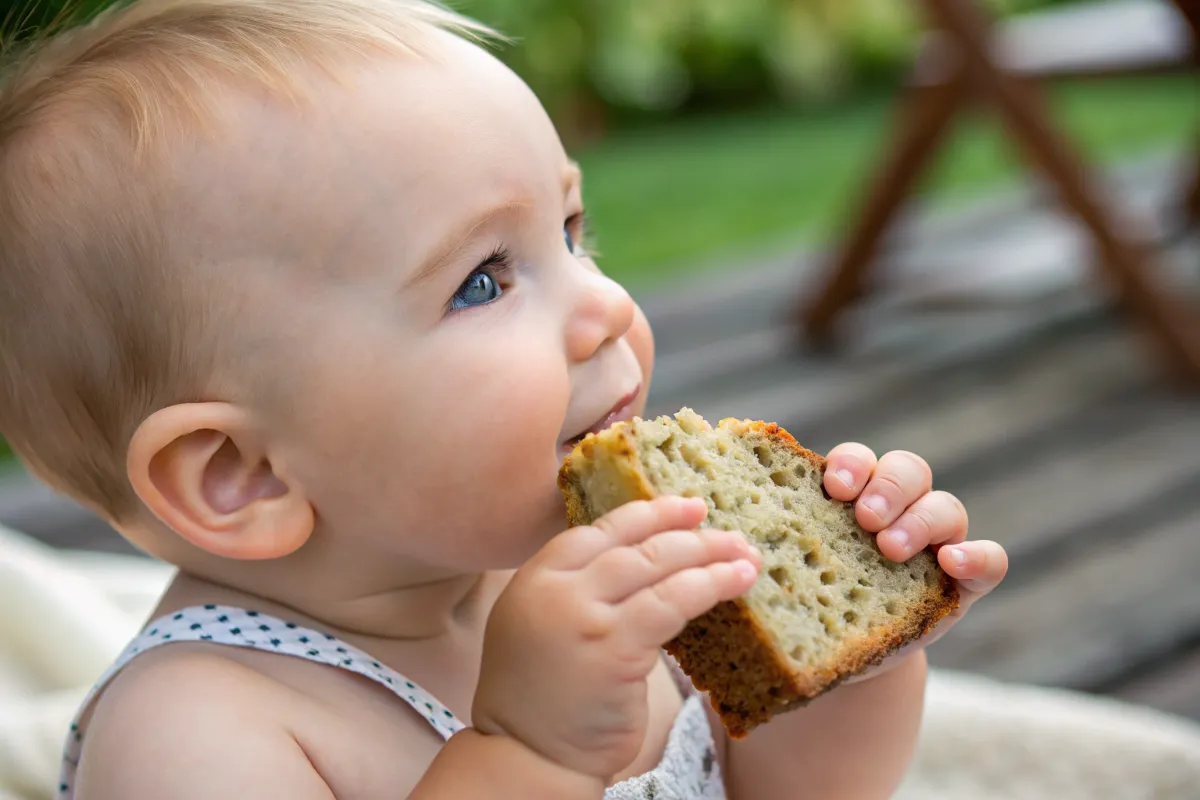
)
(621, 412)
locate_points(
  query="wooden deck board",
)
(1042, 392)
(1118, 605)
(1044, 501)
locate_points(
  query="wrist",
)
(532, 773)
(902, 661)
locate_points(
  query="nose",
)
(602, 312)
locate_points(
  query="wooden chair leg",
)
(1182, 208)
(1128, 266)
(1192, 203)
(924, 116)
(1191, 215)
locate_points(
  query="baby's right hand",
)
(573, 638)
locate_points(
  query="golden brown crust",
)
(745, 680)
(725, 652)
(748, 682)
(613, 454)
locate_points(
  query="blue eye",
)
(483, 285)
(570, 240)
(479, 289)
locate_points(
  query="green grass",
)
(664, 201)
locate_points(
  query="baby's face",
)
(432, 333)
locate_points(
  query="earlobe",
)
(201, 469)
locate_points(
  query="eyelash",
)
(580, 227)
(499, 262)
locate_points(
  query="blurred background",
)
(963, 229)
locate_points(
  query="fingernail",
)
(900, 538)
(957, 555)
(846, 477)
(877, 503)
(745, 570)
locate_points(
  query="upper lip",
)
(603, 422)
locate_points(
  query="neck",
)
(375, 604)
(440, 610)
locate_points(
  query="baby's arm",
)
(853, 743)
(478, 766)
(193, 726)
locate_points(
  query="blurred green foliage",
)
(722, 191)
(593, 62)
(596, 63)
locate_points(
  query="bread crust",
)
(725, 652)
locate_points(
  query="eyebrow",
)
(572, 175)
(453, 244)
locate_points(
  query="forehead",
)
(387, 152)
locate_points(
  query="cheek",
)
(490, 448)
(500, 391)
(480, 437)
(454, 437)
(641, 341)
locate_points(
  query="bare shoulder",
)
(284, 726)
(186, 723)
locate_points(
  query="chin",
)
(536, 528)
(553, 520)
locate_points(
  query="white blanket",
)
(64, 616)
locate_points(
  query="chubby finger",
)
(899, 479)
(977, 567)
(848, 467)
(622, 571)
(623, 526)
(936, 518)
(657, 614)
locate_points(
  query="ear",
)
(202, 469)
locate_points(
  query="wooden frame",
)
(961, 66)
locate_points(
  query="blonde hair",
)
(100, 321)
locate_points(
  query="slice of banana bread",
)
(827, 604)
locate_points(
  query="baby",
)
(294, 293)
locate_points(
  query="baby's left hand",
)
(894, 499)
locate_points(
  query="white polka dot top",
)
(688, 770)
